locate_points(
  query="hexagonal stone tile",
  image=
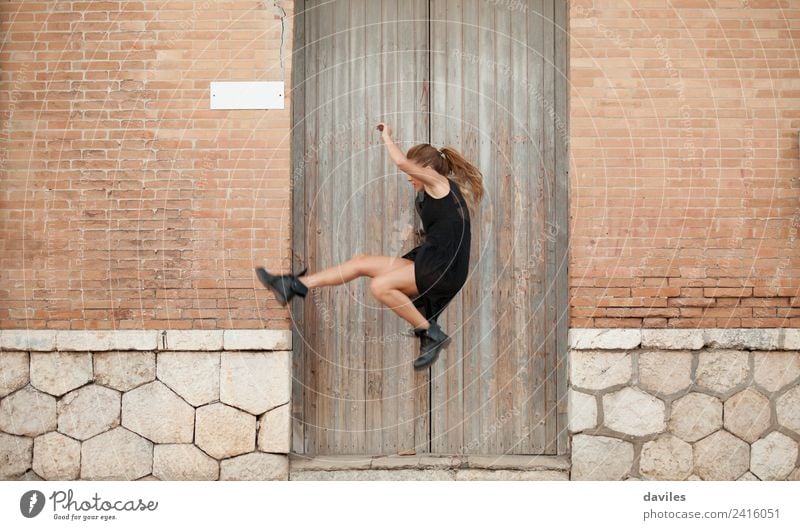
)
(721, 456)
(59, 372)
(223, 431)
(775, 369)
(193, 375)
(721, 370)
(666, 458)
(747, 414)
(14, 371)
(600, 458)
(158, 414)
(183, 462)
(632, 411)
(88, 411)
(787, 407)
(28, 412)
(16, 453)
(275, 430)
(581, 411)
(597, 370)
(665, 372)
(30, 475)
(255, 381)
(773, 457)
(695, 415)
(124, 371)
(117, 454)
(255, 466)
(56, 457)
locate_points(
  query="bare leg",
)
(394, 288)
(358, 265)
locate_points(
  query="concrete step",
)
(429, 467)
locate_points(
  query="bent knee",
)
(359, 262)
(378, 286)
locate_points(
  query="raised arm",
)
(430, 177)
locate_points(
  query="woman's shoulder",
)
(450, 186)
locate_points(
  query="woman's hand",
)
(386, 130)
(398, 157)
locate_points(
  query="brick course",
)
(684, 164)
(126, 203)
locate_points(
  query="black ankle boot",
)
(431, 340)
(284, 286)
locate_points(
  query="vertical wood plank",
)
(448, 372)
(351, 220)
(336, 187)
(329, 358)
(500, 51)
(297, 96)
(417, 99)
(536, 119)
(548, 151)
(312, 332)
(492, 312)
(518, 417)
(377, 362)
(561, 96)
(463, 88)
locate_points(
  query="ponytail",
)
(466, 175)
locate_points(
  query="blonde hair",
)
(447, 161)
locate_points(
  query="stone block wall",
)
(684, 404)
(167, 405)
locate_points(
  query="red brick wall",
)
(126, 202)
(684, 175)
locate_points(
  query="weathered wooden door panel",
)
(364, 61)
(493, 89)
(498, 93)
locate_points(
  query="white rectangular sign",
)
(247, 94)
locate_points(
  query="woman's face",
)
(416, 183)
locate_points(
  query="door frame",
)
(561, 280)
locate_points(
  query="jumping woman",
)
(419, 284)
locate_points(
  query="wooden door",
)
(488, 80)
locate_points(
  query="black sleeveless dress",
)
(441, 262)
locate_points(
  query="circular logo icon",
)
(31, 503)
